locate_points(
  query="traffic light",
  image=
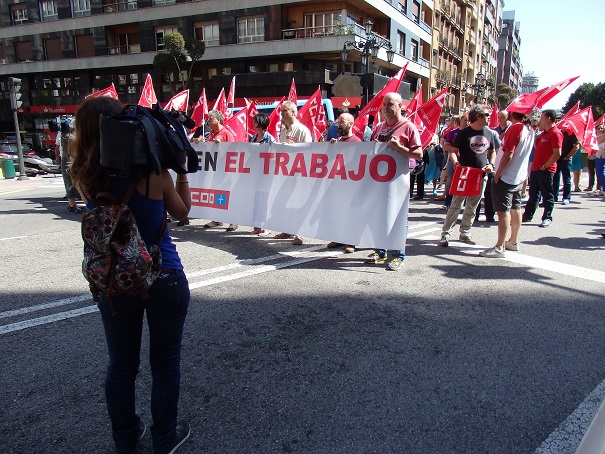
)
(14, 85)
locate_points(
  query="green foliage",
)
(178, 56)
(588, 94)
(505, 94)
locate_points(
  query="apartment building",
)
(65, 49)
(529, 84)
(465, 48)
(509, 62)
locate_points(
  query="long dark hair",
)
(86, 171)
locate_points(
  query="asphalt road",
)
(303, 349)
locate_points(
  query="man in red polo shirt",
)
(547, 151)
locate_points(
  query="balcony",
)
(115, 7)
(118, 50)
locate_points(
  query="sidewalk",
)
(13, 184)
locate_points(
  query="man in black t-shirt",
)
(474, 146)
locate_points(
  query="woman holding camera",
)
(166, 307)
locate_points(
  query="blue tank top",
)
(149, 214)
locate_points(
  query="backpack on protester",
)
(140, 140)
(116, 259)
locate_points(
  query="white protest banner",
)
(352, 193)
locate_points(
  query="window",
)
(159, 35)
(414, 49)
(80, 8)
(273, 67)
(416, 12)
(319, 24)
(48, 10)
(251, 29)
(400, 42)
(289, 66)
(18, 13)
(163, 2)
(403, 7)
(85, 45)
(52, 49)
(207, 32)
(23, 51)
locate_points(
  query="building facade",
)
(529, 84)
(509, 61)
(65, 49)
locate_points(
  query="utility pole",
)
(14, 85)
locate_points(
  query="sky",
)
(561, 39)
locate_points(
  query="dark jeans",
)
(540, 182)
(591, 164)
(70, 190)
(419, 181)
(487, 196)
(166, 310)
(563, 171)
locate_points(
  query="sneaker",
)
(546, 223)
(565, 202)
(467, 239)
(183, 222)
(257, 231)
(588, 190)
(182, 434)
(333, 245)
(493, 253)
(298, 241)
(445, 207)
(526, 219)
(283, 236)
(350, 249)
(212, 224)
(75, 209)
(375, 259)
(142, 431)
(445, 240)
(395, 264)
(232, 227)
(511, 246)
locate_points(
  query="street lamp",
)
(368, 48)
(479, 88)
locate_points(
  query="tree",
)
(175, 57)
(588, 94)
(504, 95)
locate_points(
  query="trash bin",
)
(8, 168)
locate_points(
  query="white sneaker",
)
(511, 246)
(493, 253)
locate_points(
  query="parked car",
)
(34, 164)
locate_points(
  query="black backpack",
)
(141, 140)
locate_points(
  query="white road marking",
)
(12, 238)
(41, 307)
(4, 329)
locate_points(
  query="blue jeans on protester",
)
(166, 310)
(600, 168)
(563, 172)
(397, 253)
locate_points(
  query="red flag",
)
(275, 119)
(493, 117)
(309, 113)
(576, 124)
(292, 95)
(148, 97)
(200, 110)
(574, 110)
(600, 121)
(109, 92)
(238, 125)
(427, 117)
(221, 103)
(590, 142)
(527, 102)
(416, 101)
(231, 98)
(375, 104)
(252, 111)
(180, 101)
